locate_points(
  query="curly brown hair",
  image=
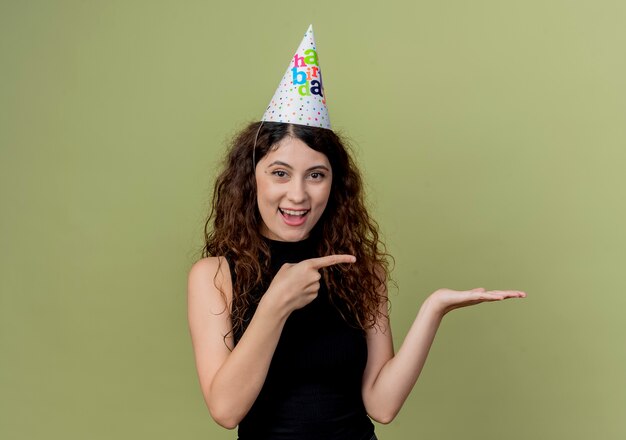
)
(233, 225)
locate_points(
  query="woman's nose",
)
(297, 191)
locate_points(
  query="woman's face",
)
(293, 184)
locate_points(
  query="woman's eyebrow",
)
(286, 165)
(278, 162)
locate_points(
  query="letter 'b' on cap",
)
(300, 97)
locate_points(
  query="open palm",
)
(448, 299)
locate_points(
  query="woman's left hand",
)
(446, 300)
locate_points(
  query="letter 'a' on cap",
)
(300, 97)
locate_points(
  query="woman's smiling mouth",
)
(294, 217)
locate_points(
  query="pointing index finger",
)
(329, 260)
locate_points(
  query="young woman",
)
(288, 309)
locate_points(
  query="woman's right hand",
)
(296, 285)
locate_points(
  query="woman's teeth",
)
(290, 212)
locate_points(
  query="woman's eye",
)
(279, 173)
(317, 175)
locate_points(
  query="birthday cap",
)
(300, 97)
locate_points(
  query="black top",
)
(313, 387)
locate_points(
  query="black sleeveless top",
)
(313, 387)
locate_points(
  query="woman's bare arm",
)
(389, 378)
(231, 380)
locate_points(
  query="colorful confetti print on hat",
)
(300, 98)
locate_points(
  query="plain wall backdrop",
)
(491, 135)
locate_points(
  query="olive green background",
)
(491, 135)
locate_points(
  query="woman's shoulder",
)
(209, 264)
(210, 275)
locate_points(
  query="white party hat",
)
(300, 97)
